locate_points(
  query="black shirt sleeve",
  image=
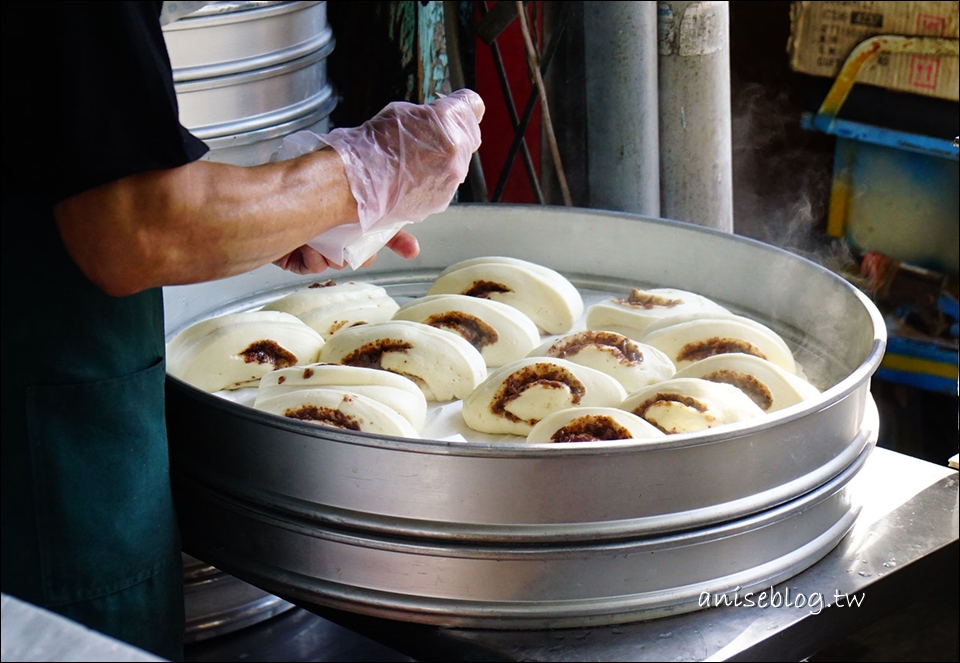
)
(88, 97)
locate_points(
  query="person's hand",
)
(307, 260)
(406, 163)
(402, 165)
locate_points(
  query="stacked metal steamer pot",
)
(249, 73)
(531, 536)
(246, 74)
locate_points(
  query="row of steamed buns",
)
(495, 332)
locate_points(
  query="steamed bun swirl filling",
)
(591, 429)
(440, 362)
(686, 405)
(515, 397)
(647, 300)
(591, 424)
(621, 347)
(322, 415)
(717, 346)
(635, 365)
(527, 392)
(473, 330)
(751, 385)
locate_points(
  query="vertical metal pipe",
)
(696, 178)
(620, 43)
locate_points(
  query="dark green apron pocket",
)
(105, 514)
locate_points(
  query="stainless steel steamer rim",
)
(255, 99)
(518, 492)
(520, 587)
(217, 603)
(314, 117)
(253, 148)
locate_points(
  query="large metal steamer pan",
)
(521, 586)
(489, 492)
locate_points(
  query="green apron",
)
(89, 529)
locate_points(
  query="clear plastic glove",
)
(403, 165)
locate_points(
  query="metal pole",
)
(533, 64)
(696, 179)
(620, 43)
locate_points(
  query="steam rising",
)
(782, 178)
(782, 174)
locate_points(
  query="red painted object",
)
(496, 128)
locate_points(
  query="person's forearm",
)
(202, 221)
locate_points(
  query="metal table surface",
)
(904, 543)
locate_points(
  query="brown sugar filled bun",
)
(440, 362)
(592, 424)
(515, 397)
(330, 307)
(634, 365)
(499, 331)
(546, 296)
(235, 350)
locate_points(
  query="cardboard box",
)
(823, 34)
